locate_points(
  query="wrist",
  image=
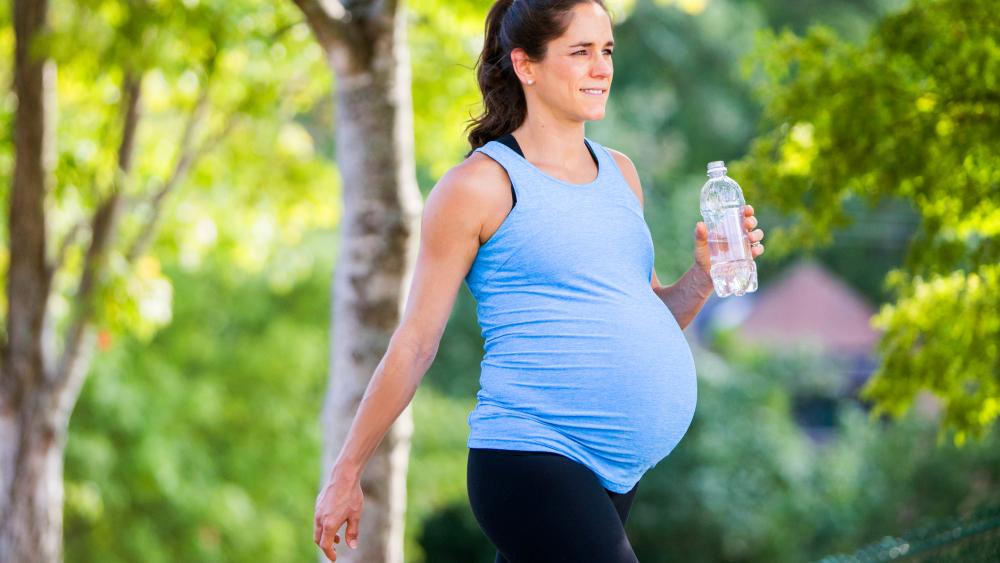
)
(346, 469)
(702, 280)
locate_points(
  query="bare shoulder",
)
(475, 189)
(479, 180)
(628, 170)
(482, 168)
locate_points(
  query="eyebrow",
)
(589, 43)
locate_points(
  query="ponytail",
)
(503, 99)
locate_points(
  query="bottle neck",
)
(717, 173)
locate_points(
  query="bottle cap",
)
(716, 165)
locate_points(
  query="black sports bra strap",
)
(511, 142)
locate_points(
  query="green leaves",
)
(909, 114)
(944, 335)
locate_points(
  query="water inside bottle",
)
(734, 278)
(733, 269)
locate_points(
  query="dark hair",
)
(530, 25)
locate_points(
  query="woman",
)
(587, 381)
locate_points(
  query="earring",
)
(531, 82)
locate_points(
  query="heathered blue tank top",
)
(581, 357)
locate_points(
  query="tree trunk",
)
(31, 439)
(32, 526)
(38, 390)
(367, 52)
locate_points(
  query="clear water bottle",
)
(722, 203)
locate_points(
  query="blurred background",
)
(851, 399)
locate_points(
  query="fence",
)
(973, 539)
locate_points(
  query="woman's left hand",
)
(702, 253)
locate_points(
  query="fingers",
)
(749, 222)
(352, 531)
(325, 535)
(319, 528)
(326, 543)
(756, 236)
(748, 210)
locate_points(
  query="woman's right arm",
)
(452, 219)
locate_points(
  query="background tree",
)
(366, 50)
(154, 93)
(911, 114)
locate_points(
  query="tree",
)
(102, 194)
(365, 47)
(911, 114)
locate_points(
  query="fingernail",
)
(353, 544)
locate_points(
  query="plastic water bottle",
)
(722, 203)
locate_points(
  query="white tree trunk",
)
(32, 527)
(367, 52)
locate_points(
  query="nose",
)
(602, 67)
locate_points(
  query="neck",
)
(550, 143)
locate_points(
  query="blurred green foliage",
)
(971, 539)
(203, 445)
(197, 438)
(910, 114)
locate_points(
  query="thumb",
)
(701, 232)
(352, 531)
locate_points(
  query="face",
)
(578, 60)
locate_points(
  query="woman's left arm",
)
(688, 295)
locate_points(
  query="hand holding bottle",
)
(702, 252)
(725, 246)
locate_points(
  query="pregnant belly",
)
(624, 386)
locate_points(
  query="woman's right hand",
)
(340, 501)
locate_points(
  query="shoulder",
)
(473, 188)
(479, 167)
(479, 179)
(628, 171)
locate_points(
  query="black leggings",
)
(542, 507)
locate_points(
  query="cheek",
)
(573, 69)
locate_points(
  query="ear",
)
(523, 67)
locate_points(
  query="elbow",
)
(418, 350)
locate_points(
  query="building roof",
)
(808, 304)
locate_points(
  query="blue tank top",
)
(581, 358)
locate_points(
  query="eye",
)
(578, 52)
(609, 51)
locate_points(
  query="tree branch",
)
(383, 9)
(102, 232)
(67, 241)
(186, 156)
(328, 19)
(132, 87)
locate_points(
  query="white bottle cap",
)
(717, 165)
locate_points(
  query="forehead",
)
(588, 23)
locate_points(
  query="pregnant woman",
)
(587, 381)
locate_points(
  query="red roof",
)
(809, 304)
